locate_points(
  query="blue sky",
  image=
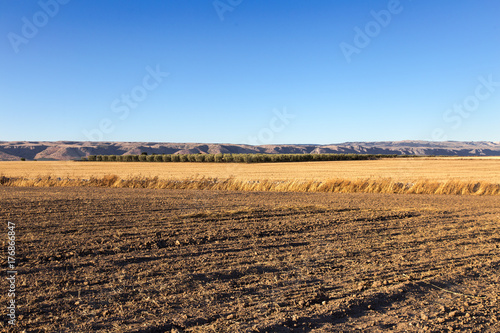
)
(241, 71)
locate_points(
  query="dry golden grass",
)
(230, 184)
(401, 170)
(476, 176)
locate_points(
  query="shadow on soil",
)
(353, 309)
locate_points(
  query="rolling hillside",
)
(75, 150)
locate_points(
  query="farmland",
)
(406, 170)
(167, 256)
(148, 260)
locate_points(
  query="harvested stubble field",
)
(153, 260)
(402, 170)
(478, 176)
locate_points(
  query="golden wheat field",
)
(413, 175)
(401, 170)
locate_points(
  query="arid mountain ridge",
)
(75, 150)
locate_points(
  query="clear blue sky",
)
(419, 70)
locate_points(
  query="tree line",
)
(237, 158)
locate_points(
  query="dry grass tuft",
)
(384, 185)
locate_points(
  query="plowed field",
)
(143, 260)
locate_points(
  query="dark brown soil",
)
(138, 260)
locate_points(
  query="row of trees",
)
(236, 158)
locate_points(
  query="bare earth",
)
(141, 260)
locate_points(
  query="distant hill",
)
(75, 150)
